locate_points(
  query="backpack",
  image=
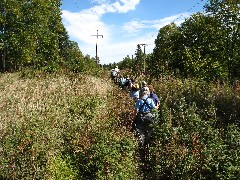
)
(143, 120)
(127, 83)
(154, 98)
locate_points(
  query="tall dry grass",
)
(61, 126)
(22, 98)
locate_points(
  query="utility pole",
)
(97, 60)
(144, 56)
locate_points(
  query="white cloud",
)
(178, 19)
(134, 26)
(127, 5)
(82, 25)
(115, 52)
(120, 6)
(138, 25)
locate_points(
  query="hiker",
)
(154, 96)
(115, 74)
(116, 69)
(128, 84)
(143, 107)
(134, 92)
(131, 83)
(122, 81)
(144, 88)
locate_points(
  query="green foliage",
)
(61, 170)
(166, 48)
(34, 36)
(60, 127)
(196, 137)
(37, 23)
(76, 62)
(27, 147)
(126, 63)
(99, 149)
(131, 66)
(138, 63)
(204, 46)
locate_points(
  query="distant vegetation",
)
(32, 35)
(205, 46)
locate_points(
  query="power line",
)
(181, 16)
(194, 6)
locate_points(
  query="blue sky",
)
(123, 23)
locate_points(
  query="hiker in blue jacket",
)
(143, 116)
(154, 96)
(144, 105)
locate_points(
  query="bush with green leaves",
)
(74, 126)
(60, 127)
(198, 130)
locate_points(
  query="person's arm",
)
(136, 109)
(155, 96)
(158, 101)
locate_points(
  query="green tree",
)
(138, 63)
(2, 50)
(205, 46)
(227, 14)
(33, 34)
(166, 47)
(75, 58)
(202, 47)
(126, 63)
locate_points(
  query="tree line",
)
(32, 35)
(205, 46)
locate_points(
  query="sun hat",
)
(136, 86)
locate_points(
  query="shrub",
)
(196, 137)
(60, 127)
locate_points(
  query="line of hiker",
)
(146, 103)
